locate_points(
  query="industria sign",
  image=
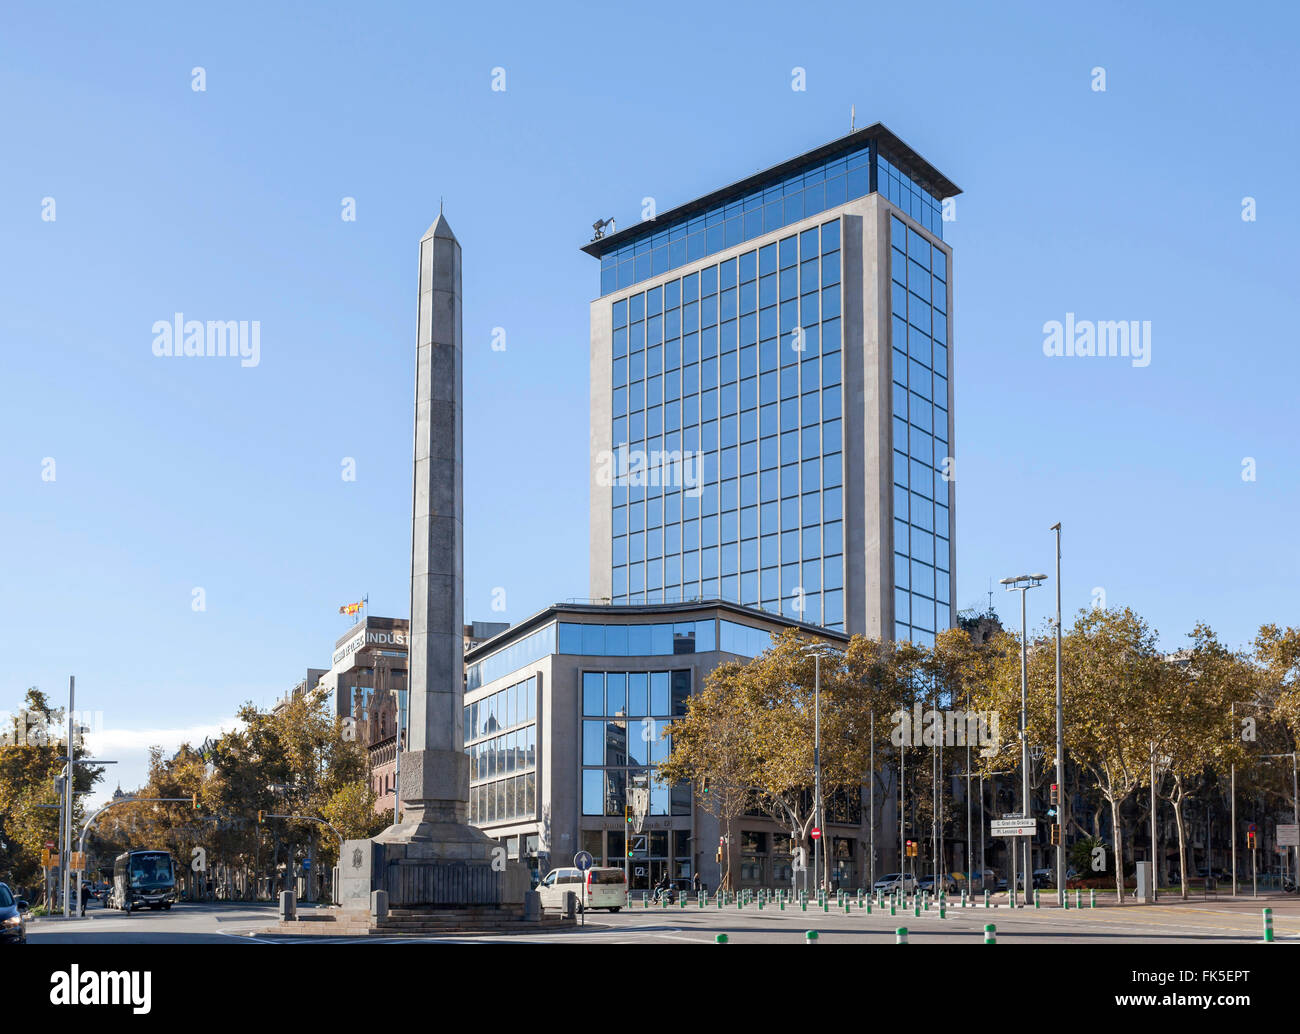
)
(370, 637)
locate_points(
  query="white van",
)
(596, 888)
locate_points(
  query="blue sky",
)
(225, 204)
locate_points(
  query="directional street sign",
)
(582, 860)
(1014, 827)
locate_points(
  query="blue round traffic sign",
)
(582, 860)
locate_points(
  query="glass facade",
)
(922, 521)
(623, 717)
(816, 188)
(739, 364)
(501, 741)
(678, 637)
(511, 658)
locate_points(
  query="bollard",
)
(1065, 900)
(990, 934)
(810, 937)
(1093, 896)
(720, 939)
(916, 909)
(1268, 926)
(900, 935)
(986, 897)
(1036, 904)
(804, 904)
(893, 907)
(868, 906)
(942, 913)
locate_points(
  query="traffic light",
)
(704, 788)
(1054, 796)
(194, 800)
(911, 849)
(629, 847)
(261, 818)
(1056, 834)
(1250, 840)
(718, 857)
(627, 814)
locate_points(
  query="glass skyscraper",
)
(771, 396)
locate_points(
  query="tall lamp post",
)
(1023, 583)
(816, 650)
(1060, 737)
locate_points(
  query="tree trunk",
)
(1117, 831)
(1177, 802)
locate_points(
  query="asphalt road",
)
(1223, 921)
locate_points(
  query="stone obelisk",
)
(432, 858)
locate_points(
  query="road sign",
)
(1288, 835)
(1014, 827)
(49, 845)
(306, 863)
(816, 833)
(78, 860)
(582, 860)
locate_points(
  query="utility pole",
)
(65, 825)
(1060, 738)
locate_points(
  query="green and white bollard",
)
(1268, 926)
(900, 935)
(1093, 896)
(986, 897)
(810, 937)
(990, 934)
(942, 913)
(1036, 901)
(720, 939)
(703, 899)
(916, 909)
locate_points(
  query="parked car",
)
(893, 881)
(946, 883)
(596, 888)
(13, 917)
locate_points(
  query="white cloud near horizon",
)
(130, 749)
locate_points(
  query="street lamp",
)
(816, 650)
(1023, 583)
(1060, 737)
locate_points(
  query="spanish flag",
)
(352, 608)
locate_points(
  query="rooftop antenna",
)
(853, 116)
(990, 610)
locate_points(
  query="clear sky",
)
(176, 475)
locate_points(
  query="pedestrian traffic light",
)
(1056, 834)
(1054, 797)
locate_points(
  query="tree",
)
(711, 749)
(1191, 713)
(1112, 674)
(32, 756)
